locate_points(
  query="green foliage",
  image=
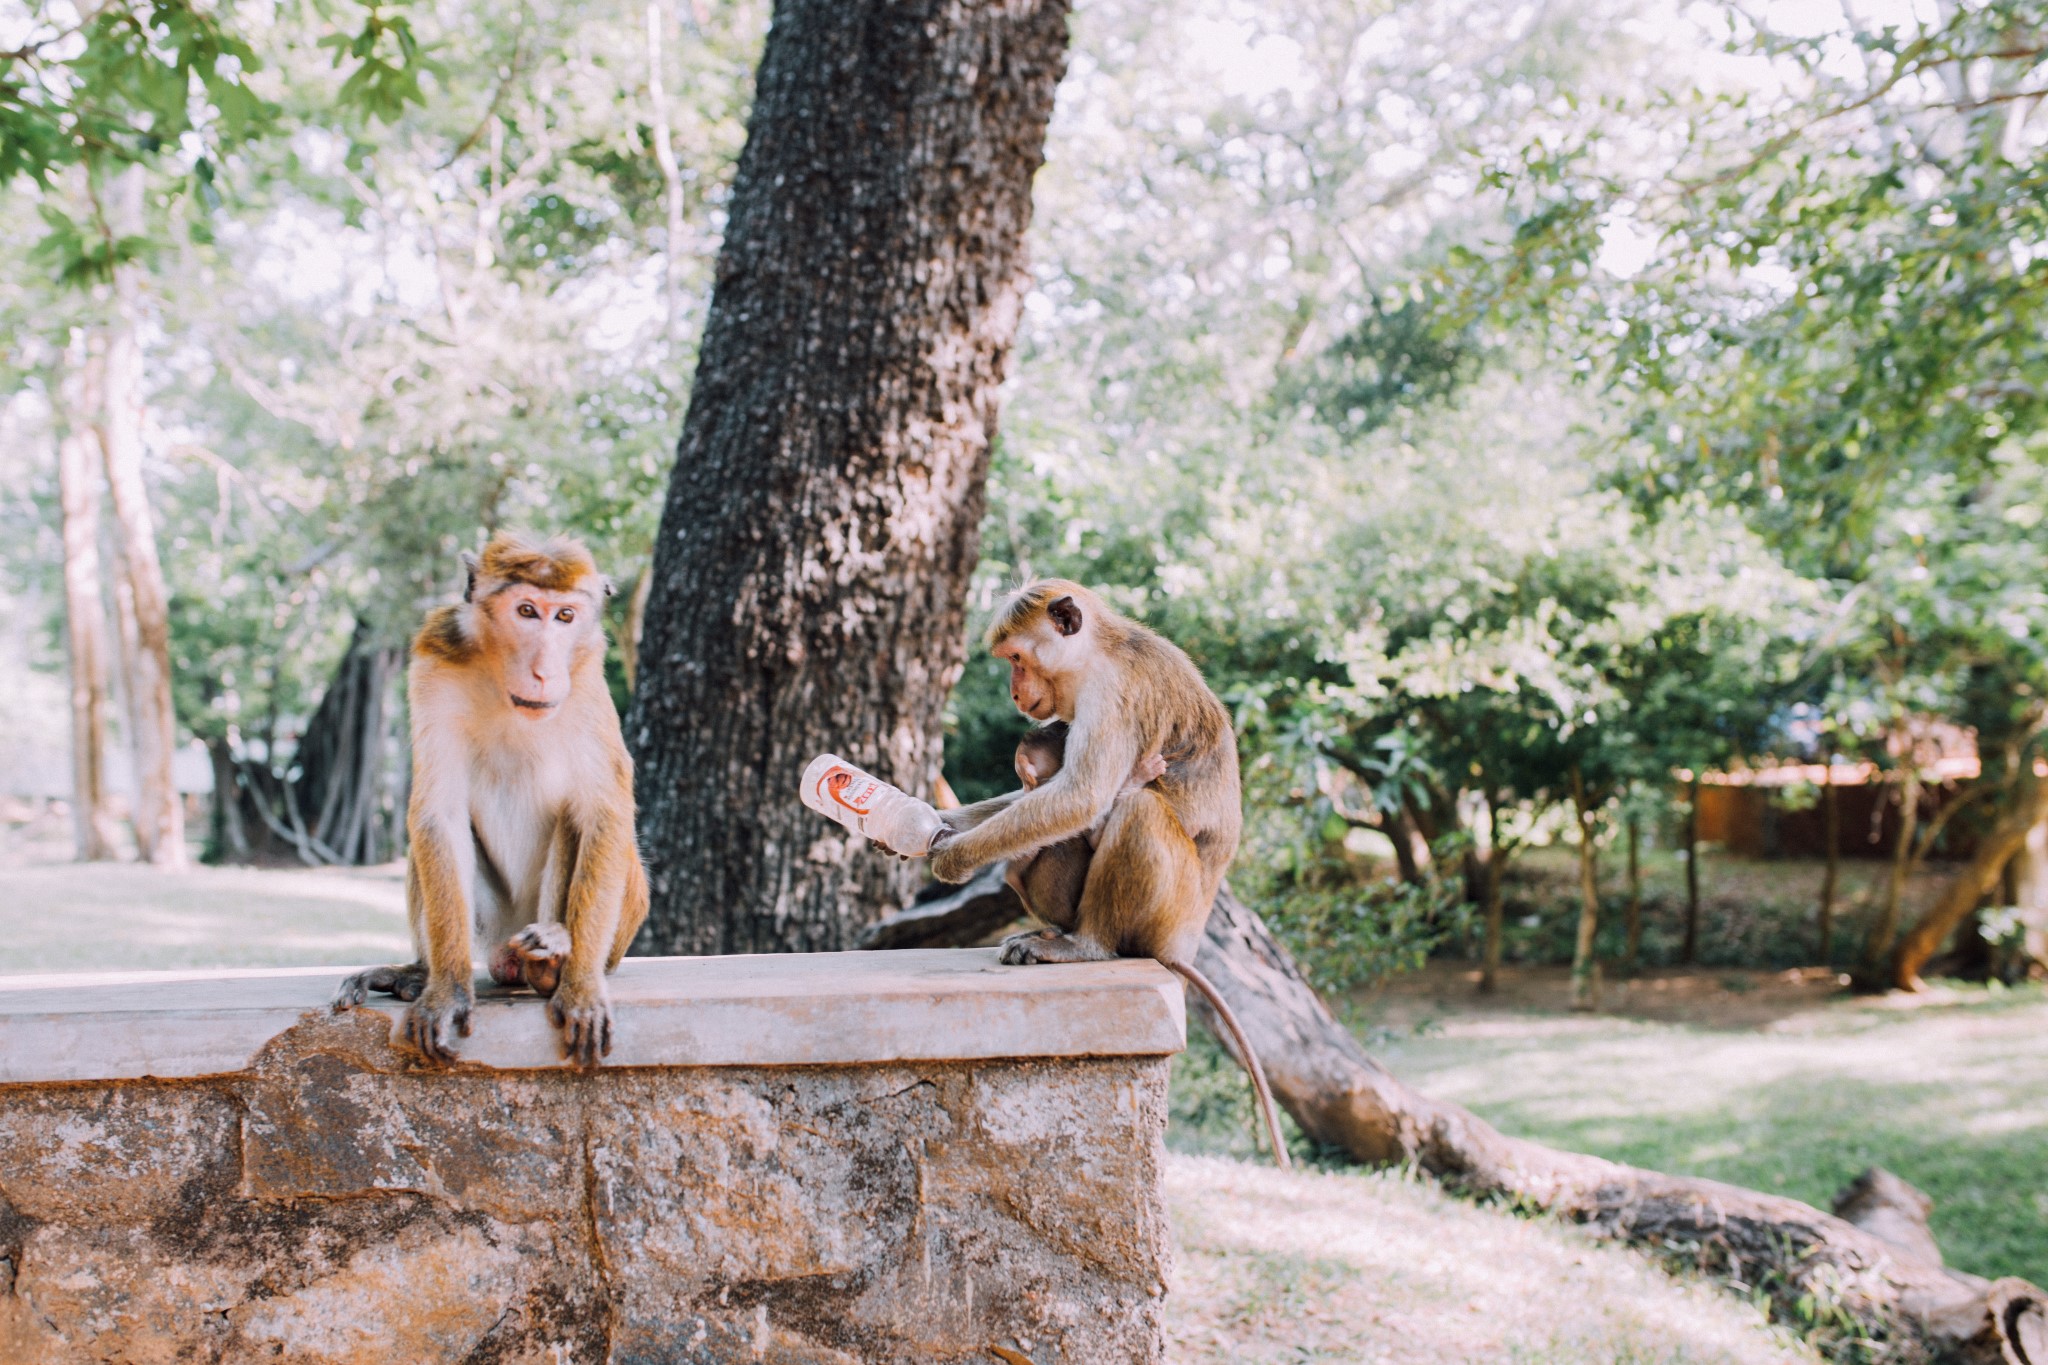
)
(1838, 334)
(136, 79)
(388, 65)
(1349, 937)
(170, 88)
(1403, 354)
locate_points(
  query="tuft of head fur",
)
(1017, 611)
(554, 564)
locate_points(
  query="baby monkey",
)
(1049, 881)
(1051, 877)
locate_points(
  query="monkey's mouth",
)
(523, 704)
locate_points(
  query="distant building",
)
(1776, 810)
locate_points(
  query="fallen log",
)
(950, 916)
(1871, 1269)
(1816, 1266)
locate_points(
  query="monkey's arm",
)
(980, 813)
(581, 1006)
(443, 858)
(1098, 762)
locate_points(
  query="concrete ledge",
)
(806, 1009)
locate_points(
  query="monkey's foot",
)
(585, 1018)
(404, 982)
(1050, 945)
(1015, 941)
(541, 949)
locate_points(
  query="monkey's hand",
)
(582, 1010)
(431, 1023)
(953, 857)
(404, 982)
(1144, 772)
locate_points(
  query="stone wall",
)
(332, 1201)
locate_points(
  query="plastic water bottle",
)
(869, 806)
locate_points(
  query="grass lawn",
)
(120, 916)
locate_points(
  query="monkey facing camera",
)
(521, 815)
(1130, 811)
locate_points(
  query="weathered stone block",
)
(330, 1200)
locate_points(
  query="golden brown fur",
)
(1115, 865)
(521, 814)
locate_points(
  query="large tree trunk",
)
(159, 813)
(811, 572)
(1345, 1100)
(85, 621)
(344, 757)
(2029, 807)
(2029, 872)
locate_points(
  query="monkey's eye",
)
(566, 615)
(529, 611)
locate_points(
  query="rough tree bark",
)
(85, 621)
(811, 571)
(1345, 1100)
(159, 814)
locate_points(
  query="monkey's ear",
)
(1066, 615)
(470, 565)
(611, 589)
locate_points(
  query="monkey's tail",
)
(1186, 971)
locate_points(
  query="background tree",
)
(117, 120)
(1841, 288)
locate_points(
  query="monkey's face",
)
(1034, 687)
(541, 637)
